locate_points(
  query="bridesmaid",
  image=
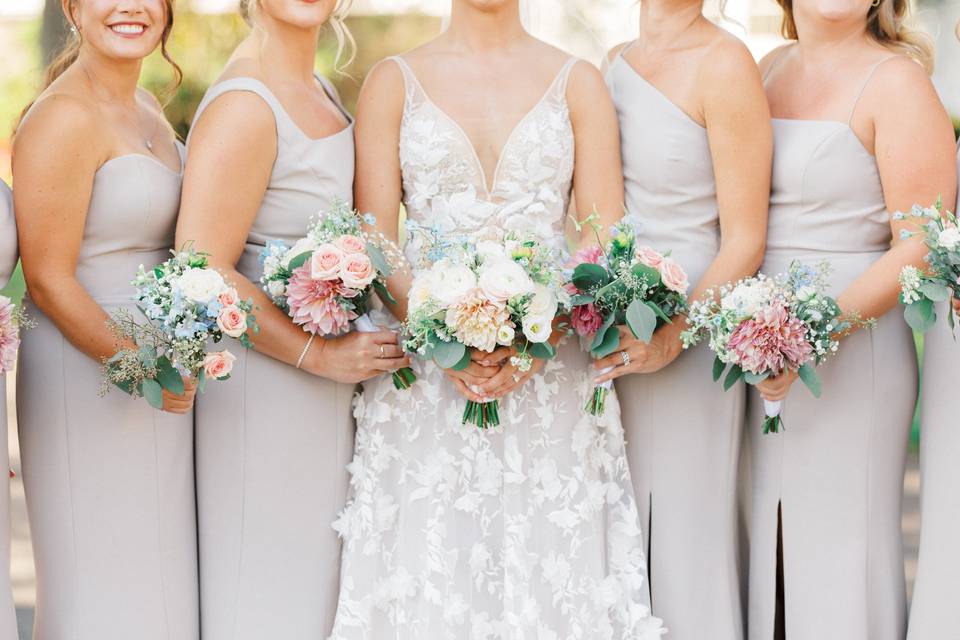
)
(697, 147)
(109, 480)
(859, 132)
(271, 146)
(933, 611)
(8, 260)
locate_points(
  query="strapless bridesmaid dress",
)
(109, 481)
(934, 612)
(273, 442)
(835, 472)
(683, 431)
(8, 260)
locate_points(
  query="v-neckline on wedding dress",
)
(489, 183)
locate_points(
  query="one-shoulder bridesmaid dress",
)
(273, 442)
(683, 431)
(109, 481)
(8, 260)
(835, 472)
(934, 612)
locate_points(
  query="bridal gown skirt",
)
(273, 443)
(110, 497)
(934, 612)
(836, 472)
(8, 619)
(529, 530)
(683, 445)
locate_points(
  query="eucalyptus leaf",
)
(588, 276)
(609, 343)
(642, 320)
(300, 260)
(651, 275)
(378, 259)
(920, 315)
(755, 378)
(542, 350)
(152, 393)
(448, 354)
(808, 374)
(168, 377)
(384, 293)
(733, 376)
(464, 361)
(719, 366)
(581, 299)
(935, 291)
(202, 381)
(598, 337)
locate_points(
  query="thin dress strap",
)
(777, 56)
(250, 85)
(334, 96)
(564, 76)
(866, 83)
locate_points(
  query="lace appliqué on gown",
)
(527, 531)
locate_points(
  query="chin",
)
(487, 5)
(128, 49)
(835, 10)
(306, 14)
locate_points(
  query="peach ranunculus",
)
(229, 298)
(218, 365)
(357, 271)
(326, 262)
(232, 321)
(649, 257)
(673, 275)
(350, 244)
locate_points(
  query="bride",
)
(529, 530)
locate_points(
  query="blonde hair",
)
(71, 51)
(337, 22)
(888, 23)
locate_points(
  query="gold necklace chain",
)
(135, 121)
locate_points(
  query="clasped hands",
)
(491, 375)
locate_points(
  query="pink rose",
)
(357, 271)
(590, 255)
(232, 321)
(229, 297)
(649, 257)
(585, 319)
(673, 275)
(351, 244)
(218, 365)
(326, 262)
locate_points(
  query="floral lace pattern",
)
(527, 531)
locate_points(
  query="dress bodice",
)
(8, 235)
(667, 171)
(307, 175)
(131, 221)
(444, 184)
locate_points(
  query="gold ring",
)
(381, 352)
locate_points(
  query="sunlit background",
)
(206, 31)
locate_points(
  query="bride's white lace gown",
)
(528, 531)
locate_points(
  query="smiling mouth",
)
(128, 29)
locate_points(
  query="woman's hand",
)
(663, 349)
(956, 306)
(508, 379)
(356, 356)
(483, 366)
(181, 404)
(776, 389)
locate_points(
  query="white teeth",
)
(130, 29)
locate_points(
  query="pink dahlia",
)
(771, 341)
(590, 255)
(314, 305)
(585, 319)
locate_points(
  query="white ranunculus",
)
(502, 280)
(276, 288)
(746, 298)
(300, 247)
(422, 290)
(537, 328)
(202, 286)
(949, 238)
(805, 294)
(544, 302)
(489, 250)
(453, 282)
(505, 335)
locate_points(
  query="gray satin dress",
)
(934, 613)
(273, 442)
(8, 260)
(109, 481)
(836, 470)
(683, 431)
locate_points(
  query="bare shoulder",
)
(585, 80)
(767, 61)
(236, 111)
(617, 50)
(900, 74)
(383, 91)
(727, 57)
(63, 121)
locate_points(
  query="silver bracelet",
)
(306, 348)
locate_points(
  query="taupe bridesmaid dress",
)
(836, 471)
(683, 431)
(8, 260)
(934, 613)
(273, 442)
(109, 481)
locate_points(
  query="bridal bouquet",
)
(762, 326)
(484, 295)
(188, 305)
(622, 283)
(12, 319)
(326, 280)
(940, 281)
